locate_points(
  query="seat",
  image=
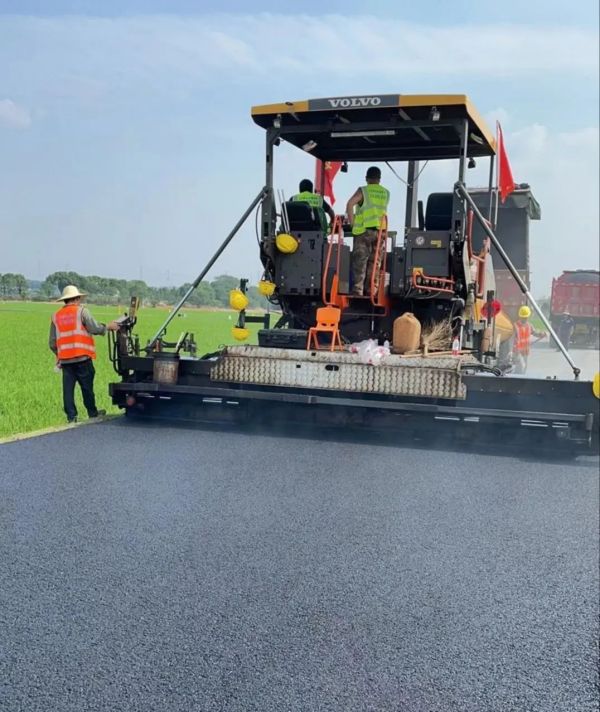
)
(438, 214)
(303, 218)
(328, 321)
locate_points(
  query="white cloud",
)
(562, 168)
(499, 114)
(174, 54)
(14, 115)
(141, 63)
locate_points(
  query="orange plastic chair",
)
(328, 321)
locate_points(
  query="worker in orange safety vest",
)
(72, 341)
(523, 331)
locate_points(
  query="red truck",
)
(578, 293)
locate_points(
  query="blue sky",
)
(434, 12)
(128, 148)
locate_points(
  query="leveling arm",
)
(259, 198)
(462, 191)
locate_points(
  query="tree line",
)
(109, 290)
(13, 286)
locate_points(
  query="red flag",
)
(506, 183)
(327, 172)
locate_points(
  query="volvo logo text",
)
(355, 102)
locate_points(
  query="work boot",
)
(97, 414)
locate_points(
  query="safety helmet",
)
(239, 333)
(524, 312)
(286, 243)
(237, 299)
(266, 288)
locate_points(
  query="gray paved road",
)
(162, 569)
(545, 361)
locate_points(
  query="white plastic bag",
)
(365, 350)
(357, 346)
(369, 352)
(378, 355)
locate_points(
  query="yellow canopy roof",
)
(380, 126)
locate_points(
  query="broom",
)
(436, 337)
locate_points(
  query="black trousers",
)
(81, 372)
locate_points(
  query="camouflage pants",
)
(363, 261)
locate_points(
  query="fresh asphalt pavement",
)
(546, 361)
(160, 568)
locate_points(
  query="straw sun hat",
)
(70, 292)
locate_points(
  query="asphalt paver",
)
(160, 568)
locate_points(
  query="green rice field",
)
(30, 390)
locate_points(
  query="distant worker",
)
(71, 340)
(306, 195)
(365, 211)
(522, 339)
(566, 326)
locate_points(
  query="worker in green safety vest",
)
(365, 210)
(315, 200)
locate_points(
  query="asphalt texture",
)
(160, 568)
(545, 361)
